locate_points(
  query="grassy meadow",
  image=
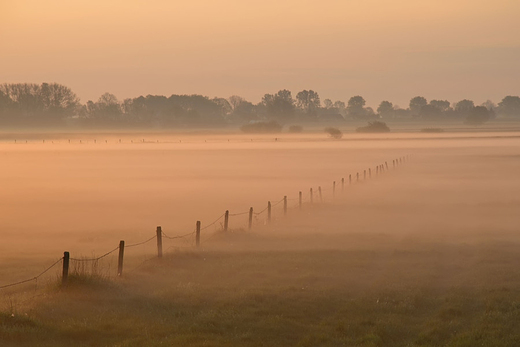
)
(423, 255)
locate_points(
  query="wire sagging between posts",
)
(32, 278)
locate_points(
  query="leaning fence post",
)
(312, 200)
(197, 233)
(250, 218)
(285, 205)
(159, 242)
(364, 174)
(342, 184)
(386, 165)
(65, 274)
(319, 191)
(269, 212)
(369, 173)
(120, 259)
(357, 177)
(300, 200)
(226, 220)
(334, 189)
(377, 170)
(349, 179)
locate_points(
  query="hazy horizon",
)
(382, 50)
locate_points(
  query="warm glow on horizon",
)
(390, 50)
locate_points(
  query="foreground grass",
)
(429, 295)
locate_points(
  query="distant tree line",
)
(52, 104)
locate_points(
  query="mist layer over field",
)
(433, 240)
(82, 195)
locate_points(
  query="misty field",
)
(425, 254)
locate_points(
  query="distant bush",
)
(335, 133)
(432, 130)
(478, 115)
(262, 127)
(295, 129)
(374, 127)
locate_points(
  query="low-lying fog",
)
(85, 197)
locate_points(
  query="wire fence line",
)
(213, 223)
(140, 243)
(98, 258)
(278, 202)
(32, 278)
(160, 235)
(238, 214)
(178, 236)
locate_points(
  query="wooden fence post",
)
(377, 170)
(250, 218)
(342, 184)
(349, 179)
(120, 259)
(357, 176)
(369, 173)
(386, 163)
(65, 274)
(159, 242)
(319, 191)
(285, 205)
(269, 212)
(312, 200)
(300, 200)
(197, 233)
(364, 174)
(226, 220)
(334, 189)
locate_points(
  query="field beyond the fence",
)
(424, 254)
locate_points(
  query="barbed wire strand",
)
(238, 214)
(216, 220)
(33, 278)
(209, 238)
(95, 259)
(142, 263)
(140, 243)
(153, 237)
(178, 236)
(276, 203)
(259, 213)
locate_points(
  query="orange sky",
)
(379, 49)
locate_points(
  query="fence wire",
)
(178, 236)
(32, 278)
(213, 223)
(95, 259)
(378, 170)
(140, 243)
(238, 214)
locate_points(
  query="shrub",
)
(262, 127)
(335, 133)
(374, 127)
(478, 115)
(295, 129)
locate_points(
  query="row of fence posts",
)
(379, 169)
